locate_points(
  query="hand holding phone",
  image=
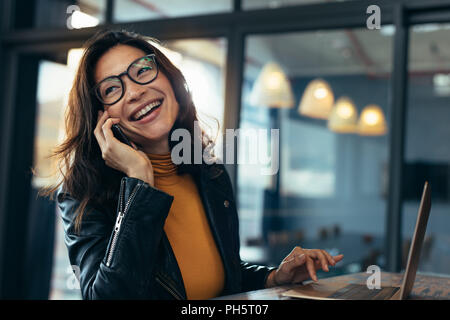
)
(118, 133)
(134, 163)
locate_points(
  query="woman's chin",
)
(150, 134)
(149, 141)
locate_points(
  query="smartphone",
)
(118, 133)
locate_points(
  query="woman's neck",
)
(161, 147)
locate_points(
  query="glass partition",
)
(137, 10)
(427, 155)
(329, 97)
(202, 62)
(54, 81)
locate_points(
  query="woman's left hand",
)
(300, 265)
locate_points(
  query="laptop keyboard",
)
(361, 292)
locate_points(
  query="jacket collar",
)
(212, 170)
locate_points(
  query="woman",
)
(137, 225)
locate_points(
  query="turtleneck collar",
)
(162, 165)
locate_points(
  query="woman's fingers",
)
(101, 116)
(301, 263)
(318, 264)
(134, 146)
(323, 260)
(311, 269)
(329, 258)
(319, 259)
(106, 128)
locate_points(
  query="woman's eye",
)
(109, 90)
(143, 70)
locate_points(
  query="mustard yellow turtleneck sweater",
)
(188, 231)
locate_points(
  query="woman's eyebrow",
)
(111, 75)
(116, 74)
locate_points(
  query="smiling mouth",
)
(147, 110)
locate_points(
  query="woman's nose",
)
(133, 91)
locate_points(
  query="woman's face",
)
(153, 128)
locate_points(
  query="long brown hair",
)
(83, 173)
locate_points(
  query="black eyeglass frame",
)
(119, 76)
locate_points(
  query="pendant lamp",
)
(272, 88)
(343, 117)
(317, 100)
(372, 121)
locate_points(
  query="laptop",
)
(344, 291)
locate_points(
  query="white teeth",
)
(147, 109)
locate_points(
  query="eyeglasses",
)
(141, 71)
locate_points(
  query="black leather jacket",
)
(133, 259)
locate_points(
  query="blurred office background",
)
(363, 117)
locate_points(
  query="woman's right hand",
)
(117, 155)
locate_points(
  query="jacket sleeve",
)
(254, 276)
(122, 270)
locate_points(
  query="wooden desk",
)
(425, 287)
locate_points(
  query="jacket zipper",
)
(169, 288)
(119, 220)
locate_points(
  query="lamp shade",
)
(343, 117)
(317, 100)
(372, 121)
(80, 20)
(272, 88)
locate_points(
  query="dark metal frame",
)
(396, 140)
(234, 26)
